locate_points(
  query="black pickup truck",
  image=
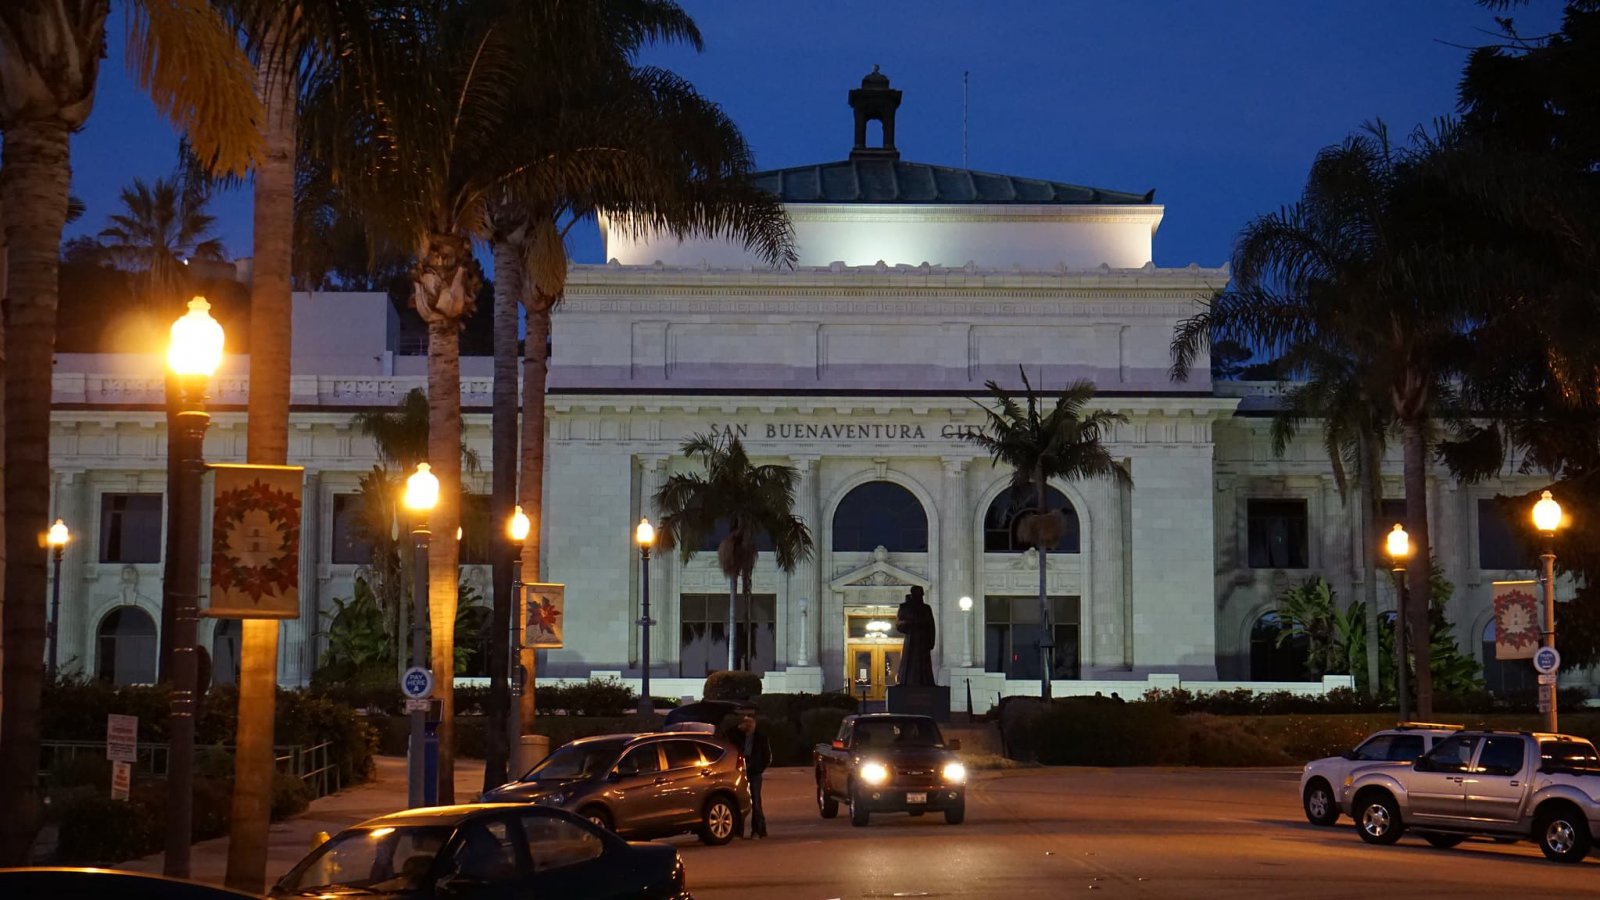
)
(886, 762)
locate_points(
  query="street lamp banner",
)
(255, 542)
(1516, 620)
(543, 606)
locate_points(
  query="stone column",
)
(954, 577)
(300, 652)
(806, 582)
(1105, 601)
(1174, 603)
(73, 631)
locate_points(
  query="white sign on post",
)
(122, 738)
(416, 683)
(1546, 660)
(1547, 679)
(121, 779)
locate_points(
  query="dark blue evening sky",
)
(1219, 106)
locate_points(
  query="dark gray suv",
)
(642, 785)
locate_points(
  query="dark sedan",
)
(486, 851)
(83, 884)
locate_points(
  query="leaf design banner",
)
(543, 605)
(1516, 620)
(255, 542)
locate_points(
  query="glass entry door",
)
(872, 655)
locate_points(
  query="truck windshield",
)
(885, 734)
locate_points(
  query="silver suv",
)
(1323, 781)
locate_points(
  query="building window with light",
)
(1006, 515)
(352, 543)
(703, 633)
(880, 513)
(130, 528)
(1277, 531)
(1011, 633)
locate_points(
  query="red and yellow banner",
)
(255, 542)
(1516, 620)
(543, 606)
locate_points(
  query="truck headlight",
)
(955, 773)
(874, 773)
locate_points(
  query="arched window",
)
(1271, 661)
(126, 647)
(1505, 677)
(474, 630)
(225, 652)
(1005, 515)
(880, 513)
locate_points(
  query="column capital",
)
(649, 462)
(804, 462)
(955, 466)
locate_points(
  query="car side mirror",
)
(955, 744)
(615, 775)
(838, 745)
(1422, 764)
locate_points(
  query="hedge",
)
(732, 685)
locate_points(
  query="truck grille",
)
(918, 777)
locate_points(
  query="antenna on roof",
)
(963, 120)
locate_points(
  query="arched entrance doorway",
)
(125, 645)
(884, 519)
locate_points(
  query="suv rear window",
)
(682, 754)
(712, 752)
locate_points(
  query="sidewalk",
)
(288, 841)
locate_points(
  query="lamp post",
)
(1547, 518)
(57, 538)
(517, 529)
(966, 616)
(645, 536)
(422, 493)
(193, 355)
(1399, 547)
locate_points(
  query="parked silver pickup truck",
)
(1503, 784)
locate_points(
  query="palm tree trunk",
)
(1420, 570)
(508, 279)
(530, 477)
(745, 636)
(1046, 632)
(733, 622)
(267, 436)
(37, 167)
(444, 551)
(1371, 535)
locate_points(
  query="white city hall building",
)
(859, 367)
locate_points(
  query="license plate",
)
(917, 798)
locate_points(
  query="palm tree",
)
(1418, 270)
(187, 58)
(1064, 443)
(754, 503)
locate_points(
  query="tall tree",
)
(1063, 442)
(187, 58)
(755, 504)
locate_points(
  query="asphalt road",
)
(1115, 833)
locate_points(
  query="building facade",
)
(860, 367)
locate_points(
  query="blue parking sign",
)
(416, 683)
(1546, 660)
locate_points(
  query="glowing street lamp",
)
(194, 354)
(645, 536)
(1547, 518)
(1399, 548)
(57, 539)
(518, 527)
(421, 495)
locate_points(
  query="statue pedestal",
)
(932, 700)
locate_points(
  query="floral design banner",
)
(1516, 620)
(255, 542)
(542, 608)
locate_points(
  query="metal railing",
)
(314, 765)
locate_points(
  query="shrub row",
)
(377, 691)
(1245, 702)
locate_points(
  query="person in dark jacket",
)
(757, 754)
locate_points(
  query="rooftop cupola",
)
(875, 100)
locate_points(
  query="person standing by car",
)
(756, 751)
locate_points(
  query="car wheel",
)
(1563, 835)
(1378, 818)
(1318, 803)
(719, 821)
(599, 817)
(1442, 841)
(955, 815)
(827, 805)
(859, 814)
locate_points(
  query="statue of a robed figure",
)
(915, 621)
